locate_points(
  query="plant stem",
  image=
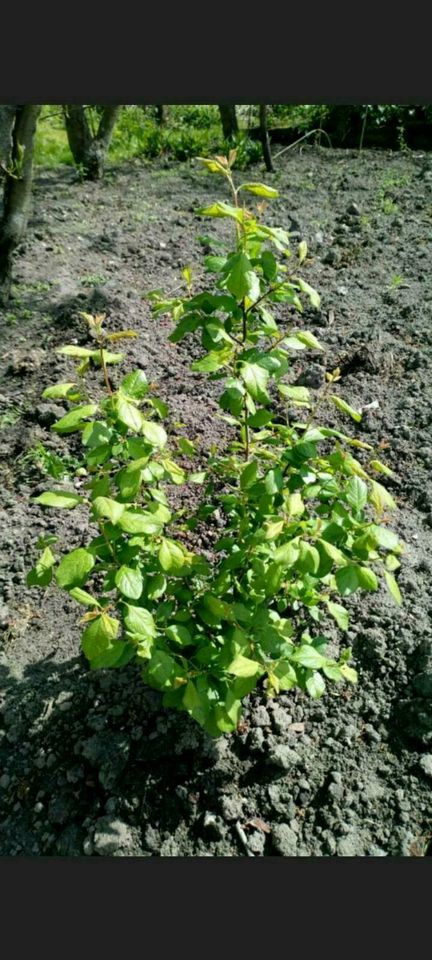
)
(245, 412)
(110, 548)
(103, 365)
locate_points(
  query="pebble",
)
(111, 836)
(353, 209)
(284, 840)
(426, 764)
(5, 781)
(282, 756)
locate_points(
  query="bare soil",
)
(89, 762)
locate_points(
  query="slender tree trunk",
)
(229, 120)
(89, 152)
(7, 118)
(17, 190)
(265, 140)
(161, 113)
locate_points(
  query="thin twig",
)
(309, 134)
(363, 128)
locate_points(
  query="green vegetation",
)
(304, 521)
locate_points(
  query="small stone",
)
(232, 808)
(4, 781)
(48, 413)
(336, 791)
(426, 764)
(38, 807)
(255, 740)
(353, 209)
(260, 717)
(348, 847)
(313, 376)
(284, 840)
(282, 756)
(111, 836)
(256, 842)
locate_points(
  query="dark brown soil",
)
(89, 762)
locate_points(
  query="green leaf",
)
(284, 674)
(58, 498)
(74, 420)
(171, 556)
(130, 582)
(367, 578)
(259, 189)
(221, 209)
(81, 596)
(161, 670)
(393, 587)
(138, 521)
(127, 412)
(385, 538)
(59, 390)
(212, 361)
(345, 408)
(356, 493)
(309, 657)
(243, 667)
(178, 634)
(197, 477)
(215, 264)
(380, 467)
(294, 504)
(347, 580)
(154, 433)
(111, 509)
(107, 356)
(348, 673)
(302, 250)
(256, 378)
(380, 498)
(139, 622)
(241, 279)
(296, 394)
(186, 446)
(73, 351)
(339, 614)
(188, 324)
(287, 554)
(314, 297)
(270, 267)
(135, 385)
(315, 686)
(41, 574)
(392, 563)
(99, 636)
(274, 529)
(309, 339)
(74, 568)
(232, 398)
(175, 473)
(308, 560)
(249, 475)
(213, 165)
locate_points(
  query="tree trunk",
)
(161, 113)
(265, 140)
(7, 117)
(229, 120)
(17, 190)
(89, 152)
